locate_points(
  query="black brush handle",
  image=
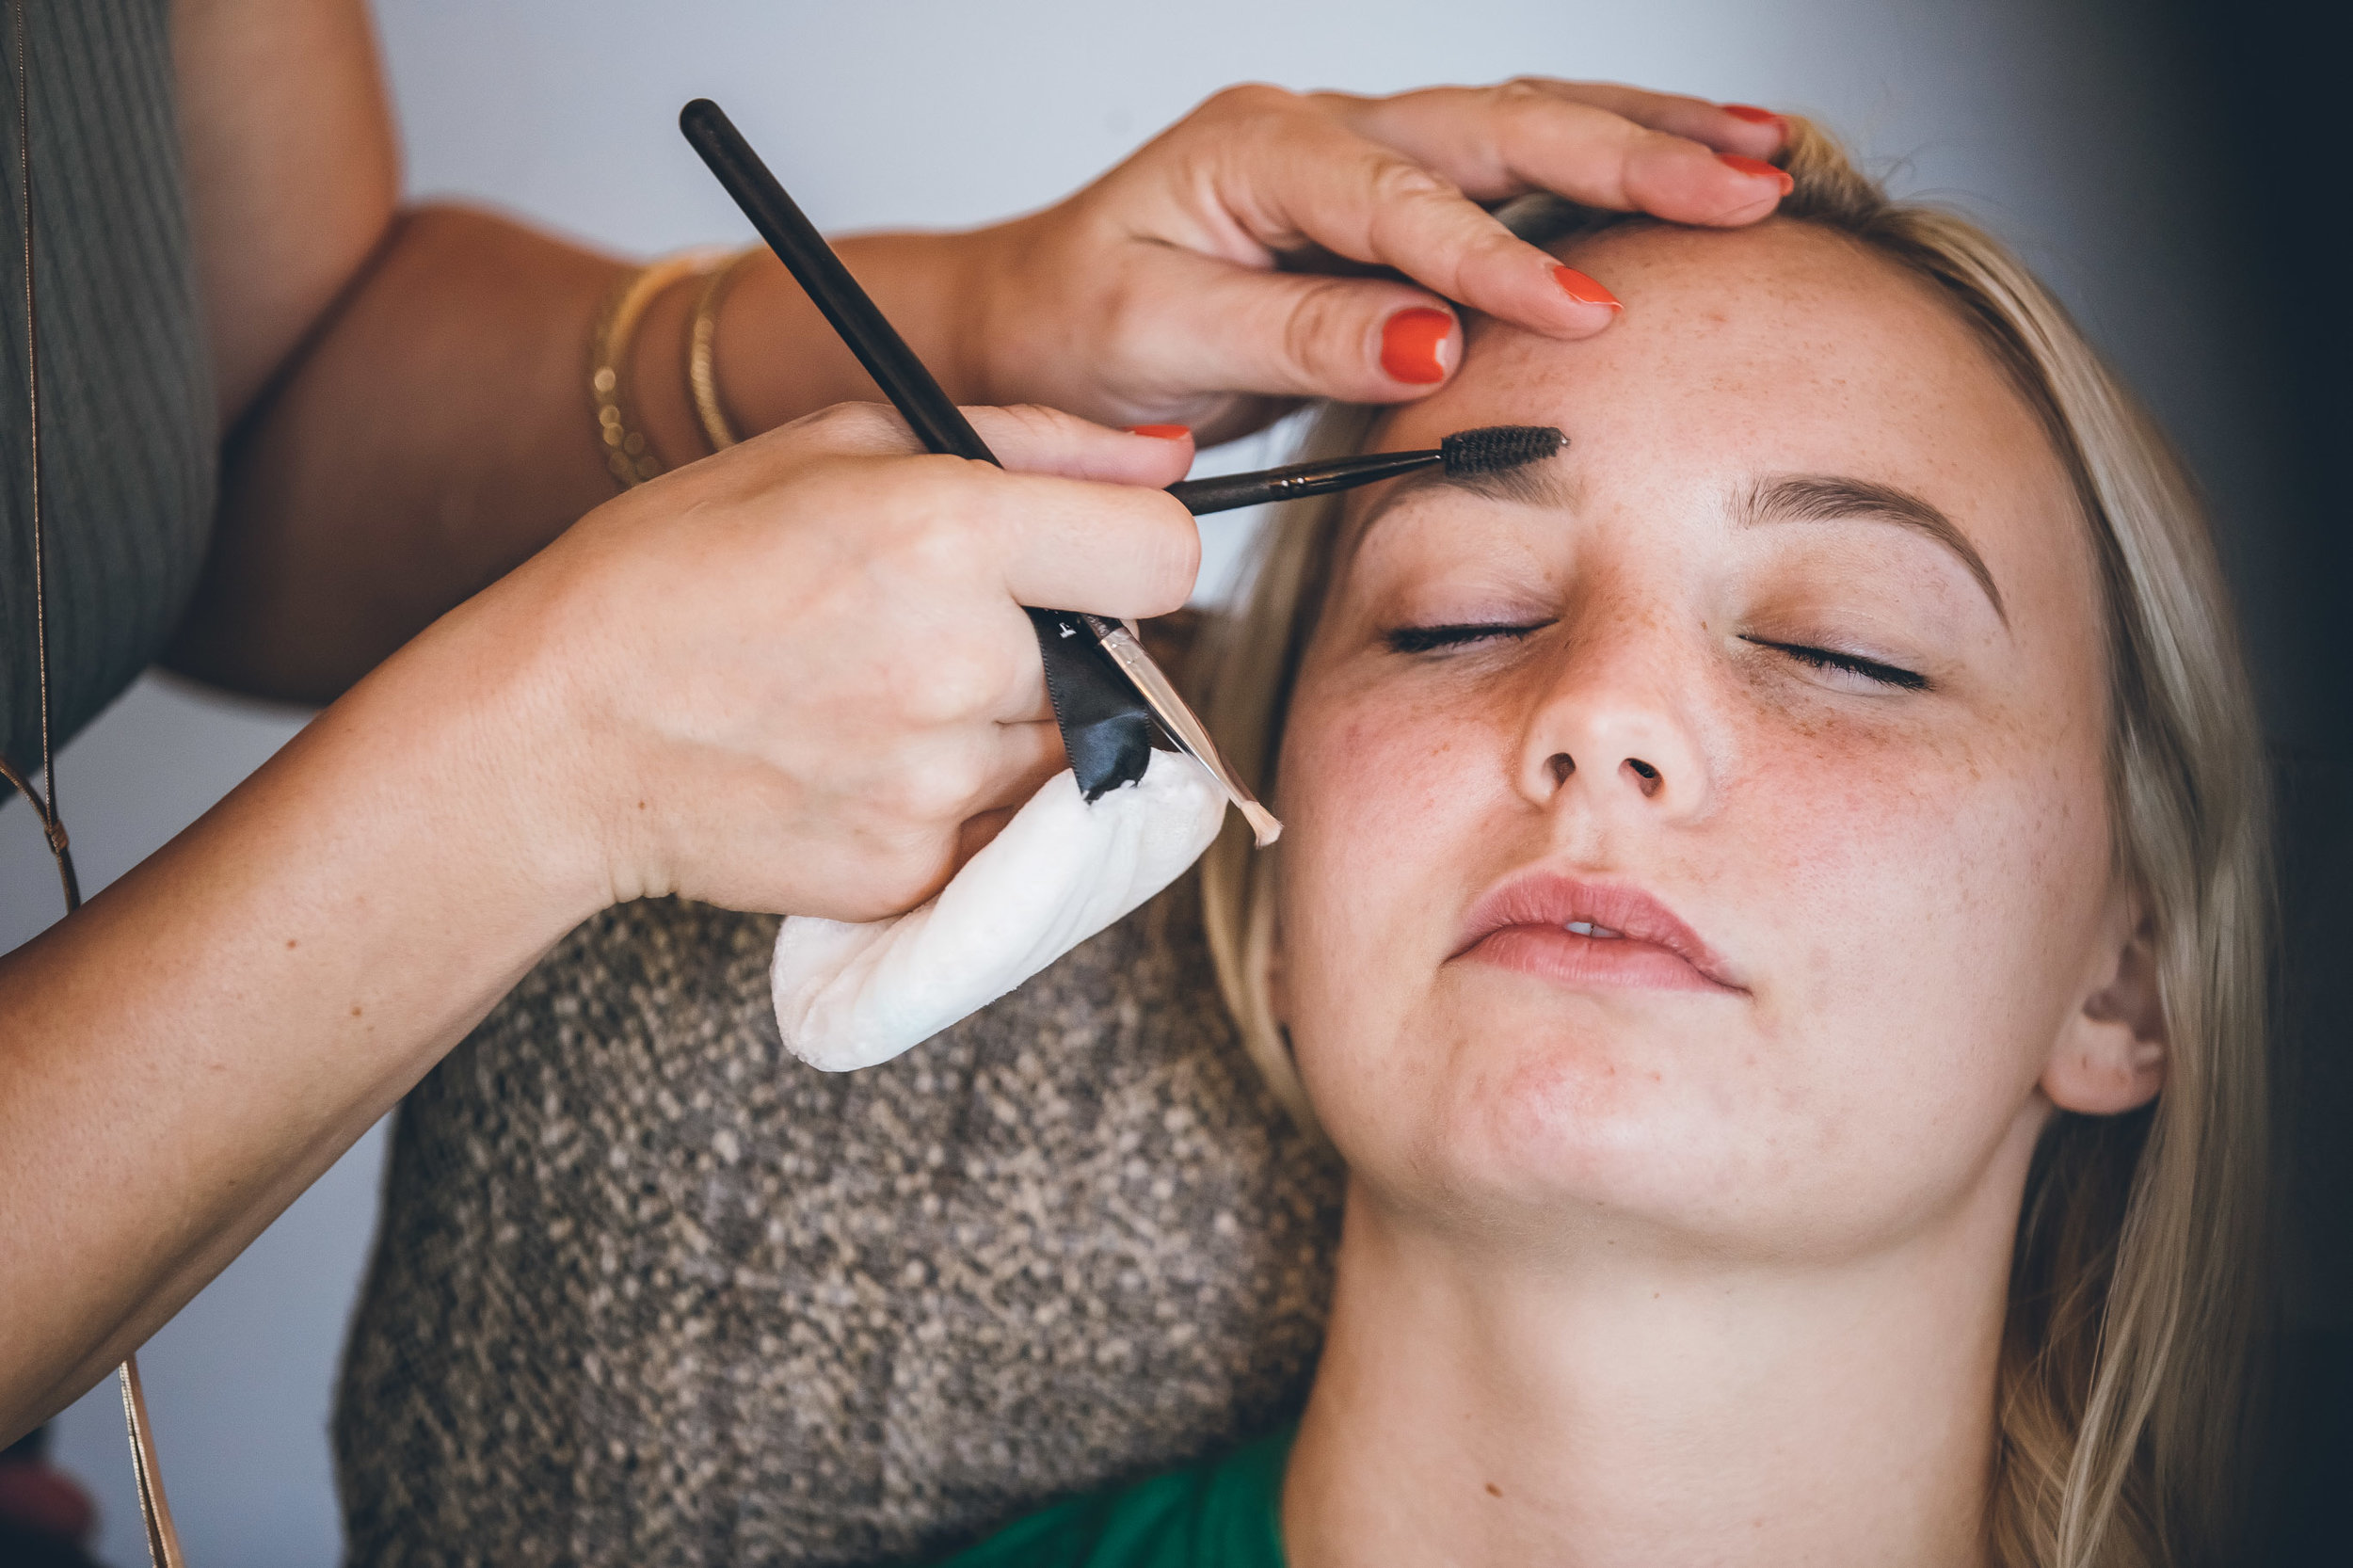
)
(1106, 727)
(1224, 492)
(939, 424)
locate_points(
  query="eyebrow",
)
(1538, 484)
(1784, 498)
(1826, 497)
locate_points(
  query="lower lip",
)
(1552, 952)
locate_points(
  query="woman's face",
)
(1788, 671)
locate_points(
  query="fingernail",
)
(1163, 432)
(1413, 345)
(1757, 168)
(1583, 289)
(1754, 115)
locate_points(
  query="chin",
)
(1563, 1110)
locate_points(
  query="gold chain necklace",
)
(162, 1541)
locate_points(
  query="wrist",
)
(659, 397)
(776, 358)
(476, 718)
(954, 285)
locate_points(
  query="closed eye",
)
(1426, 639)
(1848, 664)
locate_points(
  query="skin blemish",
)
(1494, 1490)
(290, 942)
(355, 1009)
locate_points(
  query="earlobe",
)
(2112, 1056)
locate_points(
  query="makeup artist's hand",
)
(1197, 281)
(787, 679)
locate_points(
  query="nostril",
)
(1646, 776)
(1562, 765)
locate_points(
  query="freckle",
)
(1494, 1490)
(355, 1009)
(641, 805)
(289, 941)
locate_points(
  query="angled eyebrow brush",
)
(1490, 449)
(1108, 694)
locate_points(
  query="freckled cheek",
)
(1379, 801)
(1374, 766)
(1923, 898)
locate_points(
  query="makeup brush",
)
(1107, 692)
(1490, 449)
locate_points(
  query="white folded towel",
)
(850, 995)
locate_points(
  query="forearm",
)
(436, 431)
(184, 1055)
(433, 433)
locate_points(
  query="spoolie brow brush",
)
(1491, 449)
(1101, 680)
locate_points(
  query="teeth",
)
(1586, 928)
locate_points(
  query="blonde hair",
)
(2127, 1361)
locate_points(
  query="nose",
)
(1613, 725)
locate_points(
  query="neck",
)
(1478, 1405)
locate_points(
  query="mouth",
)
(1590, 934)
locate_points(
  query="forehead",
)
(1783, 348)
(1785, 317)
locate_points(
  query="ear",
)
(2110, 1056)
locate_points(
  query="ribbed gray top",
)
(128, 421)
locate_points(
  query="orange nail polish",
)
(1577, 286)
(1413, 345)
(1163, 432)
(1757, 168)
(1751, 113)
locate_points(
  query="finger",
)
(1026, 439)
(1504, 141)
(1319, 183)
(1024, 702)
(976, 833)
(1024, 757)
(1726, 127)
(1121, 551)
(1030, 439)
(1298, 335)
(1318, 180)
(1030, 753)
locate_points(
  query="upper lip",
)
(1540, 897)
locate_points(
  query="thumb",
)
(1288, 334)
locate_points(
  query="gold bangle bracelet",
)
(702, 334)
(626, 453)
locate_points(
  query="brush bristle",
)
(1496, 447)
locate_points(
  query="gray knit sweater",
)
(651, 1292)
(127, 413)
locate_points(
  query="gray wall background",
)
(2071, 130)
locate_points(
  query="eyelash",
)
(1427, 639)
(1826, 659)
